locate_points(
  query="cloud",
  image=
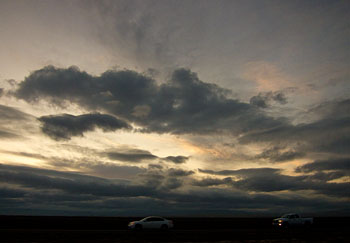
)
(330, 133)
(165, 179)
(271, 180)
(63, 127)
(179, 172)
(329, 176)
(138, 155)
(8, 114)
(210, 181)
(176, 159)
(5, 134)
(90, 163)
(277, 154)
(342, 164)
(68, 182)
(131, 155)
(263, 100)
(184, 104)
(31, 190)
(336, 108)
(242, 172)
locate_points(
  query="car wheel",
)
(138, 227)
(164, 227)
(285, 225)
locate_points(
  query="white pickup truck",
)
(292, 219)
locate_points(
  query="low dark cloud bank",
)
(63, 127)
(38, 191)
(272, 180)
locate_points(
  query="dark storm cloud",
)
(342, 164)
(63, 127)
(276, 154)
(263, 100)
(176, 159)
(131, 155)
(184, 104)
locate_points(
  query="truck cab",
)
(292, 219)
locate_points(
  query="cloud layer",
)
(53, 192)
(184, 104)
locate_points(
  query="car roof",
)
(153, 217)
(287, 214)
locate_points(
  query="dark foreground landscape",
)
(114, 229)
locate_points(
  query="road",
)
(110, 229)
(228, 235)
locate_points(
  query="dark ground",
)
(114, 229)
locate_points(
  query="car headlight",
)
(280, 221)
(131, 223)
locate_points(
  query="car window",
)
(152, 219)
(158, 219)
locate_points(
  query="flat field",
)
(114, 229)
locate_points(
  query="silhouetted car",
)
(151, 222)
(292, 219)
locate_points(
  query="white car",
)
(152, 222)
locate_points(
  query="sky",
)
(174, 108)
